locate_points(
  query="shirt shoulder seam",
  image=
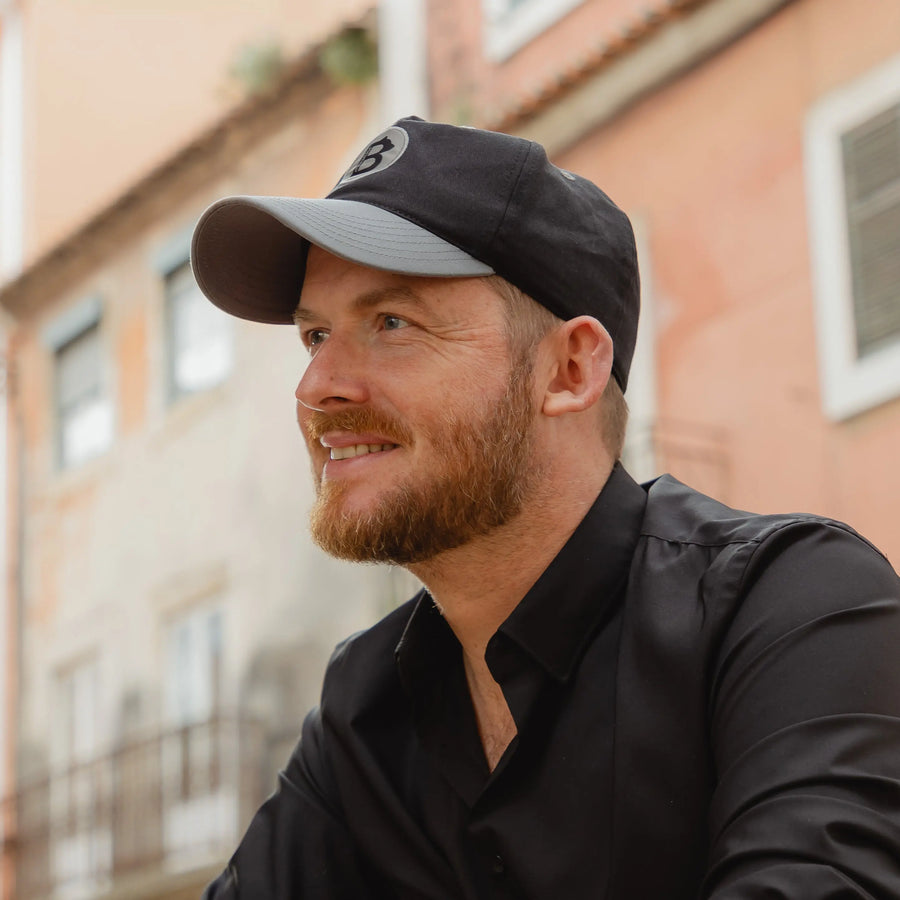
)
(688, 543)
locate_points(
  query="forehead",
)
(332, 286)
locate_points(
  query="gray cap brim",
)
(249, 253)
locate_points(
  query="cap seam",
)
(528, 149)
(621, 313)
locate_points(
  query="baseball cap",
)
(425, 198)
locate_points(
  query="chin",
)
(344, 499)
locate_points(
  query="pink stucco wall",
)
(713, 165)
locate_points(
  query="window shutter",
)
(871, 155)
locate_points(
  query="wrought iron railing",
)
(169, 804)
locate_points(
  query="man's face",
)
(418, 422)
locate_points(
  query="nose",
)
(335, 376)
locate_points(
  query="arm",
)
(805, 725)
(297, 846)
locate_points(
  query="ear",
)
(581, 361)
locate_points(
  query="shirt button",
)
(498, 867)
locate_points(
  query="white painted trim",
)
(402, 63)
(849, 385)
(6, 632)
(11, 142)
(11, 117)
(11, 256)
(506, 29)
(641, 395)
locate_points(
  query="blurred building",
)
(112, 89)
(168, 617)
(756, 146)
(11, 137)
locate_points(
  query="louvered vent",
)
(871, 154)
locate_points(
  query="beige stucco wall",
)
(202, 500)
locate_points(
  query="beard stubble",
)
(485, 476)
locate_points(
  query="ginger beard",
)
(483, 474)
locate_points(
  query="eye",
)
(314, 338)
(392, 323)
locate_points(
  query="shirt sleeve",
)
(805, 725)
(297, 846)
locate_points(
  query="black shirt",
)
(707, 705)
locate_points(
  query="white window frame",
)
(850, 385)
(507, 27)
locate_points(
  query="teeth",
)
(358, 450)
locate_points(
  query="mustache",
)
(362, 419)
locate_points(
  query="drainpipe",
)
(11, 255)
(402, 55)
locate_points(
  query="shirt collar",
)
(584, 584)
(574, 595)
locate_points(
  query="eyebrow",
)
(398, 294)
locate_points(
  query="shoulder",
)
(678, 513)
(741, 544)
(701, 567)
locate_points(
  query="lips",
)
(355, 427)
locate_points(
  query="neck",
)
(478, 585)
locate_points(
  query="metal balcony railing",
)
(165, 805)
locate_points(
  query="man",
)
(606, 690)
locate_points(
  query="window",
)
(84, 410)
(81, 850)
(78, 714)
(198, 783)
(853, 198)
(871, 153)
(509, 24)
(199, 336)
(194, 669)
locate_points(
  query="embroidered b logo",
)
(380, 154)
(372, 157)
